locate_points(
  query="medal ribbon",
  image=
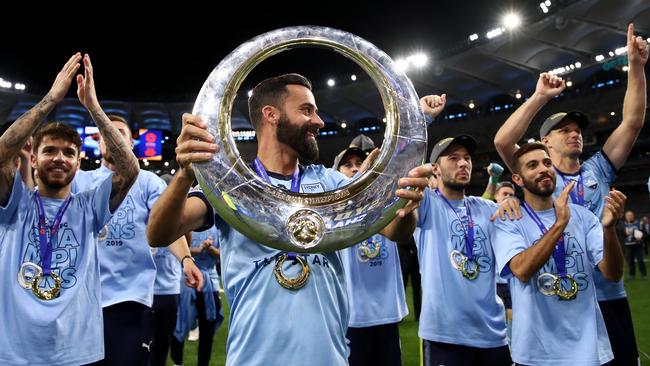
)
(559, 254)
(469, 231)
(44, 244)
(578, 199)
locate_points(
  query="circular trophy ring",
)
(456, 258)
(46, 294)
(349, 214)
(546, 283)
(28, 271)
(295, 283)
(469, 268)
(103, 233)
(563, 294)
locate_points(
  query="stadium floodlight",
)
(547, 2)
(544, 8)
(471, 105)
(578, 65)
(625, 68)
(166, 163)
(331, 82)
(250, 93)
(600, 58)
(494, 33)
(620, 50)
(518, 95)
(353, 77)
(419, 60)
(344, 125)
(173, 171)
(612, 113)
(473, 37)
(569, 83)
(511, 21)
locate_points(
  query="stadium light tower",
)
(511, 21)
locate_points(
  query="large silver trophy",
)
(299, 222)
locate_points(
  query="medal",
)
(103, 233)
(369, 249)
(456, 258)
(46, 294)
(469, 268)
(28, 271)
(293, 283)
(578, 199)
(546, 283)
(45, 249)
(465, 263)
(564, 286)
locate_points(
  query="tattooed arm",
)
(126, 164)
(20, 131)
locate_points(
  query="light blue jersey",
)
(127, 267)
(270, 325)
(204, 260)
(69, 329)
(547, 331)
(598, 173)
(457, 310)
(168, 272)
(374, 283)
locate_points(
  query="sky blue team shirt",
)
(545, 330)
(456, 310)
(127, 267)
(204, 260)
(69, 329)
(270, 325)
(168, 272)
(598, 173)
(375, 285)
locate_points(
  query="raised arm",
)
(24, 127)
(174, 214)
(611, 266)
(525, 264)
(619, 144)
(505, 141)
(126, 164)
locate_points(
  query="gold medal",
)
(295, 283)
(46, 294)
(560, 291)
(546, 283)
(365, 252)
(469, 268)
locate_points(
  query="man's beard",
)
(533, 188)
(296, 137)
(455, 185)
(43, 177)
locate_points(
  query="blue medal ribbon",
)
(579, 198)
(559, 254)
(45, 245)
(469, 231)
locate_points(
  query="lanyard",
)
(45, 245)
(580, 198)
(261, 171)
(559, 254)
(469, 233)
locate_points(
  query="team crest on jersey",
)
(371, 249)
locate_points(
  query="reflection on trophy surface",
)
(300, 221)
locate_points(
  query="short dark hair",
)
(57, 130)
(505, 183)
(523, 149)
(272, 91)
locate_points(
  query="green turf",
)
(638, 293)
